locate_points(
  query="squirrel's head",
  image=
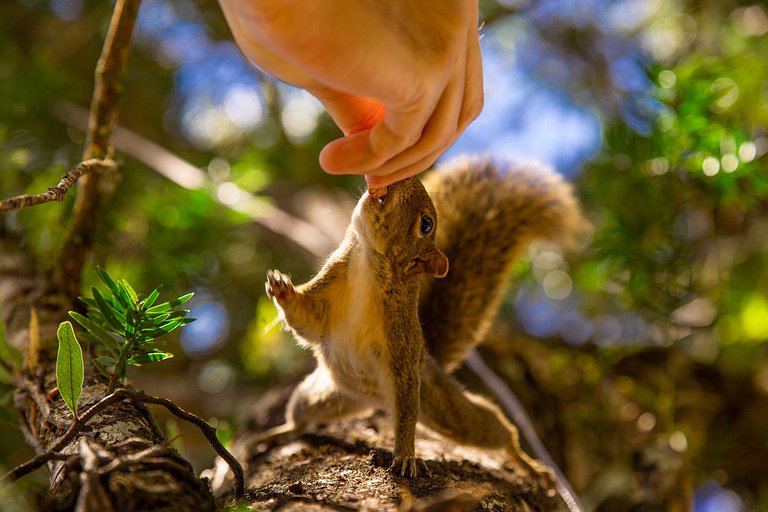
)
(399, 223)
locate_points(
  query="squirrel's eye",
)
(426, 225)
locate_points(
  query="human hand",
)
(402, 79)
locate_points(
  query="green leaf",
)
(111, 284)
(123, 296)
(167, 306)
(89, 302)
(70, 371)
(149, 357)
(102, 369)
(130, 323)
(151, 298)
(109, 340)
(90, 338)
(181, 313)
(129, 289)
(105, 360)
(167, 327)
(158, 320)
(107, 311)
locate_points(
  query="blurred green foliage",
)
(676, 268)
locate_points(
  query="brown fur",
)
(361, 318)
(488, 216)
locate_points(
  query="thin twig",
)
(58, 192)
(515, 409)
(139, 396)
(78, 238)
(150, 457)
(41, 401)
(207, 430)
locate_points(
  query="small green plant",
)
(127, 327)
(70, 372)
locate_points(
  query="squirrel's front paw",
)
(409, 467)
(279, 287)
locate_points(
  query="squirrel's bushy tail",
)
(488, 213)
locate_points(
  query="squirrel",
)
(386, 319)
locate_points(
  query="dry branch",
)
(58, 192)
(109, 71)
(79, 424)
(81, 477)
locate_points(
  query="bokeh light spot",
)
(300, 115)
(243, 107)
(228, 193)
(216, 376)
(210, 329)
(730, 163)
(747, 151)
(712, 497)
(557, 285)
(667, 79)
(678, 441)
(710, 166)
(646, 422)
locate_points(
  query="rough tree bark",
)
(123, 458)
(343, 466)
(122, 461)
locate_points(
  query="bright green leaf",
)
(107, 311)
(131, 292)
(111, 284)
(167, 306)
(149, 357)
(70, 372)
(159, 319)
(130, 323)
(123, 296)
(151, 298)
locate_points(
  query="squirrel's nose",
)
(379, 194)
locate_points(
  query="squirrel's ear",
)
(436, 263)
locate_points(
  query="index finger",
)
(366, 150)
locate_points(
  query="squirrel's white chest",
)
(355, 350)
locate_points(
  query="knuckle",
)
(470, 112)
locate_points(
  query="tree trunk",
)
(122, 461)
(345, 466)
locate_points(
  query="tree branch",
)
(58, 192)
(207, 430)
(109, 71)
(515, 409)
(139, 396)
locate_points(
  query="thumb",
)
(350, 112)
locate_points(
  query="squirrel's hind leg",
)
(315, 400)
(471, 420)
